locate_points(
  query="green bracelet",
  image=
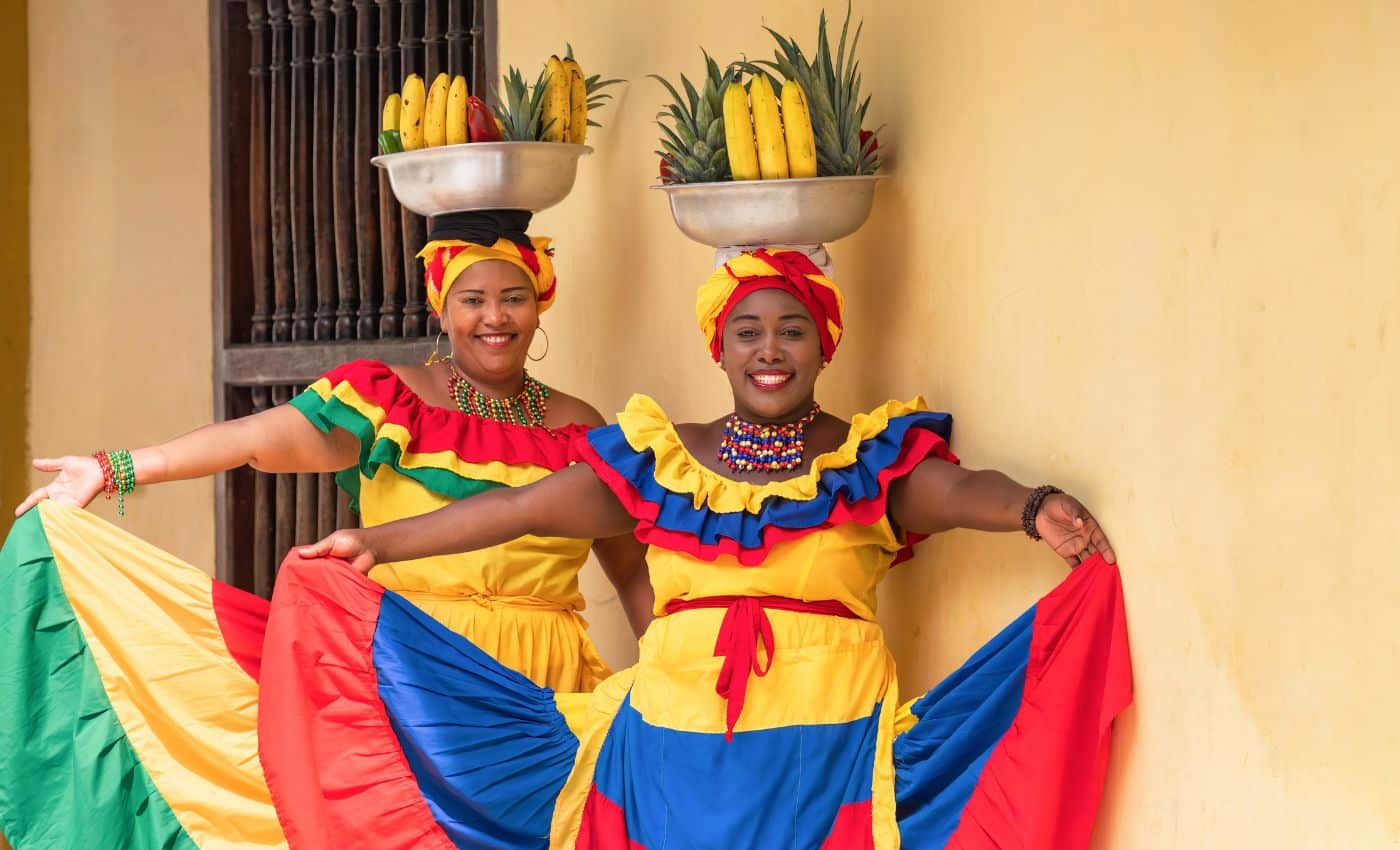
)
(122, 474)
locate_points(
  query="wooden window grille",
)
(314, 261)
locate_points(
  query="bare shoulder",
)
(565, 409)
(827, 432)
(698, 433)
(424, 381)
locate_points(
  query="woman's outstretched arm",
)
(572, 502)
(938, 496)
(276, 440)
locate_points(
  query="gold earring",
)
(540, 329)
(435, 358)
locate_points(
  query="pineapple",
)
(521, 108)
(833, 90)
(693, 145)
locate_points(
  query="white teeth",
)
(496, 340)
(771, 380)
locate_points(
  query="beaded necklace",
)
(526, 407)
(750, 447)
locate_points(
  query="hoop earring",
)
(435, 358)
(540, 329)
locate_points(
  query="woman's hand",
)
(1067, 527)
(78, 482)
(351, 545)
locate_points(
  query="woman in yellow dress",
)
(764, 710)
(407, 440)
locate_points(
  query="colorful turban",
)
(792, 272)
(446, 259)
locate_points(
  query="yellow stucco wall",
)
(119, 137)
(1147, 251)
(14, 258)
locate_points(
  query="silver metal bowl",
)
(800, 211)
(483, 176)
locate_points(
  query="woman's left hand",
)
(1067, 527)
(347, 544)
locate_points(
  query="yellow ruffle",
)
(646, 426)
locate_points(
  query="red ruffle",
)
(332, 760)
(242, 619)
(1079, 678)
(436, 429)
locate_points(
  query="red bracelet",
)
(109, 477)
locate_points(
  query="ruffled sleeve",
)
(448, 452)
(681, 504)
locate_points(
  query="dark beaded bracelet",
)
(1032, 508)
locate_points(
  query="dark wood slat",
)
(458, 41)
(322, 212)
(280, 179)
(411, 224)
(367, 114)
(295, 363)
(258, 198)
(264, 508)
(303, 235)
(434, 61)
(485, 72)
(306, 508)
(325, 504)
(284, 531)
(343, 171)
(391, 238)
(344, 517)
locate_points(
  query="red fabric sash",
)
(745, 624)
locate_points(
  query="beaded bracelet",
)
(118, 475)
(1032, 508)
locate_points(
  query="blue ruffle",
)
(853, 484)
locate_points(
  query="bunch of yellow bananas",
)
(443, 114)
(764, 141)
(565, 114)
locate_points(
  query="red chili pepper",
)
(481, 123)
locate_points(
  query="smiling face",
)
(490, 315)
(772, 354)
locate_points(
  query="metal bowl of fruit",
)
(803, 211)
(483, 176)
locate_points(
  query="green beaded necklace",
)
(526, 407)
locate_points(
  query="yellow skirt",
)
(546, 642)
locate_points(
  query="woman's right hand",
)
(78, 482)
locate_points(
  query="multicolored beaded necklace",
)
(750, 447)
(526, 407)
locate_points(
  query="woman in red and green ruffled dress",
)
(129, 693)
(407, 440)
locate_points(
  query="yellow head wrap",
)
(788, 270)
(444, 260)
